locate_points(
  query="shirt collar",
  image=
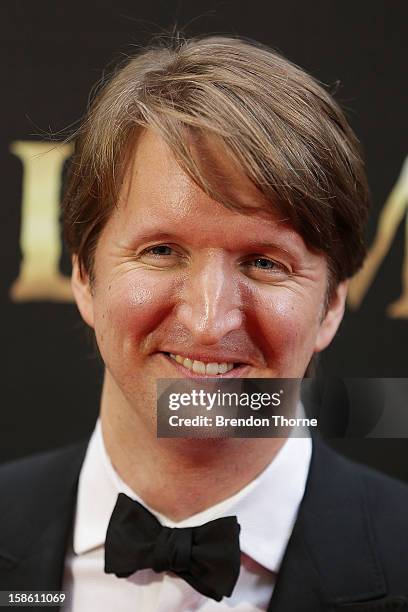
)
(266, 508)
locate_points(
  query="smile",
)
(199, 367)
(189, 367)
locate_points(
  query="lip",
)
(238, 372)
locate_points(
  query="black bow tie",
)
(207, 557)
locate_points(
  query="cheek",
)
(286, 322)
(131, 307)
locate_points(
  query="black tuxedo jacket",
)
(348, 551)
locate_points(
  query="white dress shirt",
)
(266, 509)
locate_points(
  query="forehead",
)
(155, 169)
(158, 195)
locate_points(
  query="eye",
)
(264, 267)
(161, 256)
(264, 264)
(160, 249)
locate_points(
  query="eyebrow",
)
(266, 244)
(155, 235)
(297, 245)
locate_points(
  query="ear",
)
(81, 289)
(333, 317)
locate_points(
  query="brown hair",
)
(287, 134)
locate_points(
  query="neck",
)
(177, 477)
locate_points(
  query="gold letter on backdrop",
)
(40, 278)
(394, 210)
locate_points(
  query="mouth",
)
(194, 368)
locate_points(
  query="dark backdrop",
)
(52, 55)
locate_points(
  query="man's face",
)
(185, 287)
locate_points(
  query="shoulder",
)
(386, 498)
(41, 464)
(37, 501)
(383, 491)
(39, 476)
(368, 504)
(330, 463)
(386, 502)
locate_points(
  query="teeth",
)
(199, 367)
(211, 368)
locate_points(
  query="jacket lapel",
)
(331, 561)
(36, 515)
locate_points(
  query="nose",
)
(210, 305)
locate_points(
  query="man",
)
(215, 210)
